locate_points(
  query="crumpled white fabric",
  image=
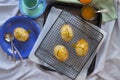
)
(28, 70)
(111, 62)
(24, 70)
(8, 8)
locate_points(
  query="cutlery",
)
(10, 38)
(102, 11)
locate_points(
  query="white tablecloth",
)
(28, 70)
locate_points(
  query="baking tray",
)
(82, 30)
(74, 9)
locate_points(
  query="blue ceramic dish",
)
(23, 47)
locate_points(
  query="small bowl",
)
(88, 12)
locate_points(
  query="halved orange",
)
(85, 1)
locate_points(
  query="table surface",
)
(109, 52)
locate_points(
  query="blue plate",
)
(23, 47)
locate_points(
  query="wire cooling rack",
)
(73, 66)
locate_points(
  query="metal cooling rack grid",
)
(82, 30)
